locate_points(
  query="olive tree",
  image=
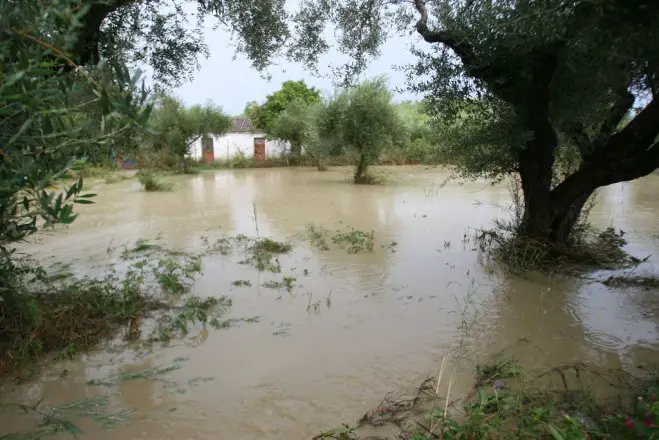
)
(294, 125)
(326, 130)
(176, 128)
(369, 124)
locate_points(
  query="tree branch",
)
(85, 49)
(617, 112)
(637, 136)
(454, 40)
(629, 154)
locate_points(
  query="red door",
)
(207, 150)
(259, 148)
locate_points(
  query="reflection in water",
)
(391, 314)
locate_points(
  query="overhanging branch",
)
(454, 40)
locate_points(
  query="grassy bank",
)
(569, 402)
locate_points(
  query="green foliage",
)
(326, 136)
(176, 277)
(151, 182)
(242, 283)
(272, 246)
(41, 133)
(277, 102)
(517, 408)
(294, 124)
(65, 315)
(176, 128)
(355, 240)
(64, 418)
(370, 123)
(415, 120)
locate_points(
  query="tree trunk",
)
(563, 221)
(296, 153)
(536, 163)
(360, 172)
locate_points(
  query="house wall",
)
(231, 144)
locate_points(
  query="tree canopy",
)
(278, 101)
(49, 122)
(294, 124)
(176, 128)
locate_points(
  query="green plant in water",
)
(272, 246)
(193, 310)
(355, 241)
(141, 246)
(242, 283)
(176, 277)
(152, 183)
(289, 283)
(273, 284)
(63, 418)
(318, 237)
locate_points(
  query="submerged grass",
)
(507, 402)
(521, 255)
(63, 418)
(152, 182)
(64, 317)
(353, 240)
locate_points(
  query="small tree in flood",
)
(294, 125)
(176, 128)
(325, 131)
(369, 124)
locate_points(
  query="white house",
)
(243, 138)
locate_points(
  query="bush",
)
(151, 182)
(419, 150)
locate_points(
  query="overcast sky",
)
(232, 83)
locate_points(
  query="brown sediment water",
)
(392, 313)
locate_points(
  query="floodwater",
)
(392, 316)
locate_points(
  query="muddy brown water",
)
(393, 313)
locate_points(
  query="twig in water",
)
(448, 395)
(439, 375)
(256, 221)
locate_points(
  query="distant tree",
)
(294, 124)
(252, 111)
(369, 124)
(176, 128)
(278, 102)
(326, 138)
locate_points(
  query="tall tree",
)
(551, 75)
(276, 103)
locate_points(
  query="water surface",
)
(393, 313)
